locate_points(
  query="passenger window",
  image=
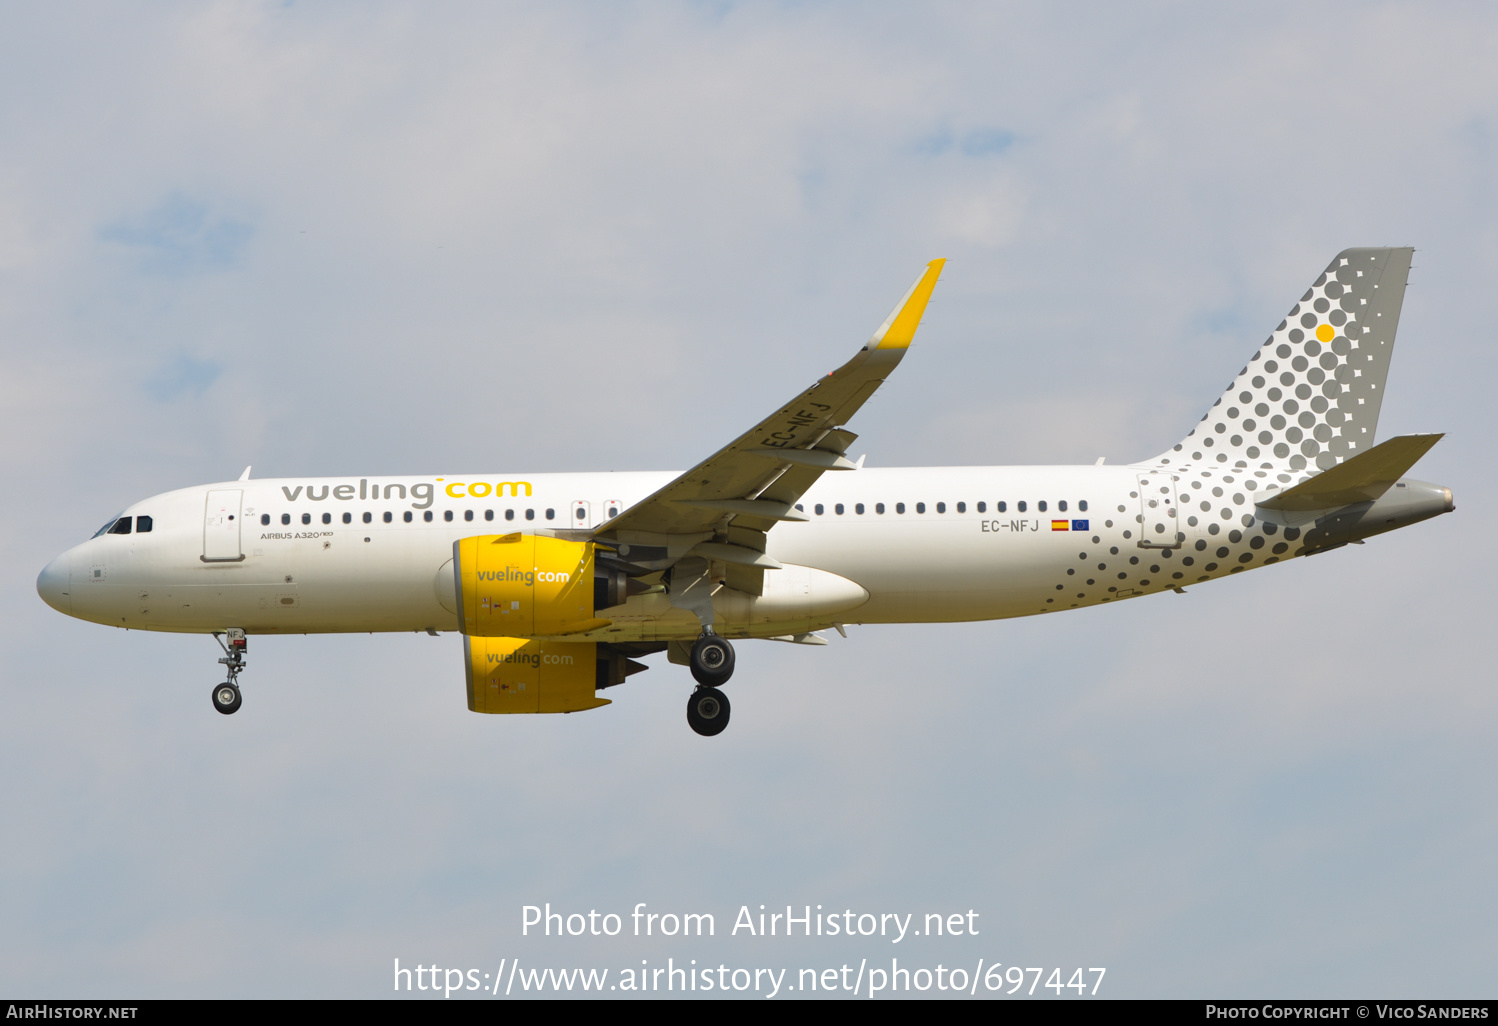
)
(818, 509)
(530, 514)
(799, 507)
(306, 518)
(142, 525)
(1023, 506)
(348, 518)
(920, 507)
(509, 514)
(899, 507)
(488, 514)
(551, 514)
(327, 518)
(962, 507)
(838, 509)
(406, 516)
(468, 514)
(121, 526)
(1082, 505)
(982, 507)
(878, 507)
(941, 507)
(387, 518)
(1002, 507)
(265, 519)
(1060, 506)
(613, 512)
(447, 515)
(368, 518)
(858, 509)
(1041, 505)
(427, 516)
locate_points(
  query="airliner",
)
(559, 583)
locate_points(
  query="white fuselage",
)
(350, 554)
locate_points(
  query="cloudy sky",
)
(368, 238)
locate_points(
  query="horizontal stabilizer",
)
(1363, 478)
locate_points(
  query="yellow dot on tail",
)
(1325, 332)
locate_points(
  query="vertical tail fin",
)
(1310, 396)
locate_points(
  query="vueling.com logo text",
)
(422, 492)
(515, 575)
(532, 659)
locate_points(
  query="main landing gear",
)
(712, 665)
(707, 711)
(712, 660)
(226, 696)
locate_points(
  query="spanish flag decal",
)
(1060, 525)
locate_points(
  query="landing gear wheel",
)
(226, 696)
(712, 661)
(227, 699)
(707, 711)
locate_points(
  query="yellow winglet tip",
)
(898, 329)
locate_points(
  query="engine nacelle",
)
(514, 675)
(525, 586)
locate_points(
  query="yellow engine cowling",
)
(513, 675)
(524, 586)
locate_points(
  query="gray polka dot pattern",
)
(1308, 399)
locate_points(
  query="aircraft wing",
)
(722, 508)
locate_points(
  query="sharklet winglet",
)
(898, 329)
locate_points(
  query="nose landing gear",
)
(226, 696)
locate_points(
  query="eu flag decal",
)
(1079, 525)
(1059, 525)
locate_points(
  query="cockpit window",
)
(142, 525)
(121, 526)
(106, 527)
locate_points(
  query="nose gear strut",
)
(226, 696)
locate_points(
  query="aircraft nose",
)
(53, 585)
